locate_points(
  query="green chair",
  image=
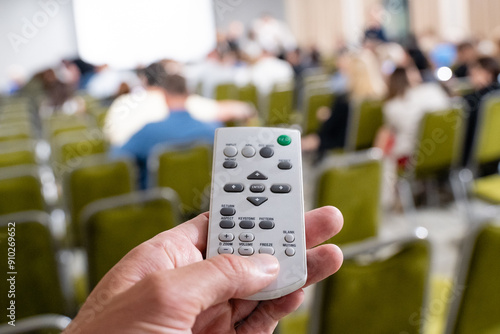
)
(113, 226)
(60, 123)
(380, 288)
(227, 91)
(315, 99)
(279, 109)
(8, 134)
(249, 94)
(17, 152)
(20, 189)
(436, 153)
(352, 182)
(476, 306)
(37, 284)
(44, 324)
(187, 170)
(365, 119)
(96, 178)
(71, 148)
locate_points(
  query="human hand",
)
(165, 286)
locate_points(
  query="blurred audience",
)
(466, 53)
(269, 71)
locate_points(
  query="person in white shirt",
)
(273, 35)
(269, 71)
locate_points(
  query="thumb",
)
(224, 277)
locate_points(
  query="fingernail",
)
(267, 264)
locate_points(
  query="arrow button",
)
(234, 187)
(257, 176)
(257, 201)
(281, 188)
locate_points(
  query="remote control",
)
(257, 202)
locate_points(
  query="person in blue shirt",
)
(177, 128)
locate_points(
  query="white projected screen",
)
(127, 33)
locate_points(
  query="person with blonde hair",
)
(365, 82)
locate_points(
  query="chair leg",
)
(406, 197)
(460, 180)
(432, 192)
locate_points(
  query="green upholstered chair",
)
(314, 100)
(113, 226)
(8, 133)
(187, 170)
(476, 307)
(381, 288)
(365, 119)
(279, 105)
(20, 189)
(249, 94)
(228, 91)
(352, 182)
(37, 284)
(96, 178)
(43, 324)
(61, 123)
(436, 153)
(72, 147)
(17, 152)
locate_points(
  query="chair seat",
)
(488, 188)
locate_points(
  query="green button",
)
(284, 140)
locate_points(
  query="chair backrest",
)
(20, 189)
(72, 146)
(13, 133)
(353, 183)
(113, 226)
(487, 142)
(36, 285)
(249, 94)
(97, 178)
(279, 105)
(365, 119)
(438, 145)
(46, 323)
(476, 305)
(228, 91)
(380, 288)
(187, 170)
(314, 100)
(57, 124)
(17, 152)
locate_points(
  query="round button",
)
(290, 251)
(284, 140)
(289, 238)
(230, 151)
(248, 151)
(266, 152)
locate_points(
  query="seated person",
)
(365, 82)
(165, 286)
(407, 102)
(130, 112)
(178, 127)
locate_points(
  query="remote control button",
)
(226, 224)
(284, 140)
(266, 250)
(266, 152)
(247, 237)
(285, 165)
(248, 151)
(230, 151)
(257, 188)
(230, 164)
(225, 237)
(281, 188)
(257, 201)
(257, 176)
(247, 224)
(245, 250)
(290, 251)
(227, 211)
(289, 238)
(266, 225)
(234, 188)
(226, 250)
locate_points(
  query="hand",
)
(165, 286)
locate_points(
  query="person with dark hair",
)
(484, 74)
(466, 53)
(177, 128)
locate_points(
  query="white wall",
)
(35, 34)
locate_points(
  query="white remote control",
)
(257, 202)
